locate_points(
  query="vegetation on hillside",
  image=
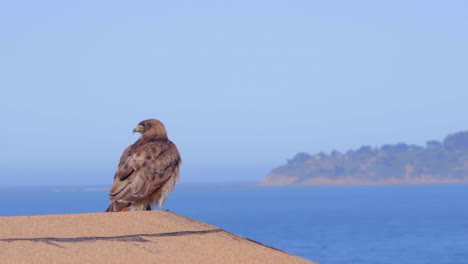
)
(399, 163)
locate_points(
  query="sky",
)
(241, 86)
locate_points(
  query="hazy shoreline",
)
(349, 181)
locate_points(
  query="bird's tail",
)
(122, 207)
(118, 207)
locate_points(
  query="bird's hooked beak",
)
(138, 128)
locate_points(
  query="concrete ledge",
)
(130, 237)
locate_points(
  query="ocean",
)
(330, 225)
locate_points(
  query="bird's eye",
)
(143, 124)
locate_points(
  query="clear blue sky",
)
(241, 85)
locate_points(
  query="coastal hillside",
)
(437, 162)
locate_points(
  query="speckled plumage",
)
(147, 172)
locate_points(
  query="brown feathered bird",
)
(148, 170)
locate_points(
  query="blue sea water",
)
(330, 225)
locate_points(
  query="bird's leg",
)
(124, 209)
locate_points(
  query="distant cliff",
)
(437, 162)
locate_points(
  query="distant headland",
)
(437, 163)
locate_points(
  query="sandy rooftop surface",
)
(130, 237)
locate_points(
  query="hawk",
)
(147, 172)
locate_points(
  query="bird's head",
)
(151, 127)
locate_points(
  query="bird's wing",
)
(143, 170)
(124, 159)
